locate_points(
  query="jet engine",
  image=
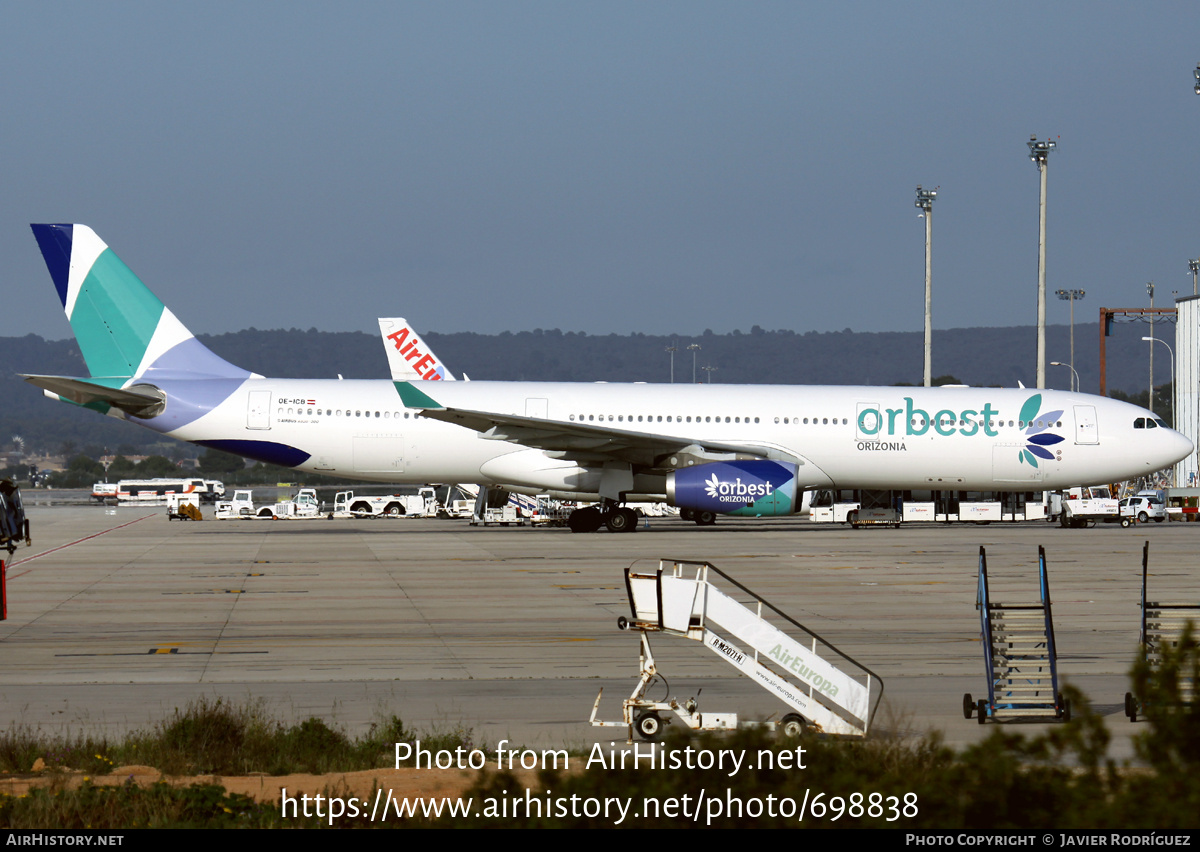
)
(755, 487)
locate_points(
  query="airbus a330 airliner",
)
(709, 449)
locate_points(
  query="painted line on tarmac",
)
(70, 544)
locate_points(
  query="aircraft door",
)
(258, 410)
(1087, 430)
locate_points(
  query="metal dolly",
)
(682, 599)
(1019, 656)
(1163, 625)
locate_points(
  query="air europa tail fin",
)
(123, 330)
(408, 357)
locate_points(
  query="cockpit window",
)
(1161, 423)
(1140, 423)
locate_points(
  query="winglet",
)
(413, 398)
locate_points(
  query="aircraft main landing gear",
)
(591, 518)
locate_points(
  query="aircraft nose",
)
(1176, 447)
(1184, 445)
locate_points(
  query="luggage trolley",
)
(1163, 624)
(1019, 656)
(682, 599)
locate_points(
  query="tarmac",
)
(118, 616)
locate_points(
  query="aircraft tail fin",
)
(409, 359)
(122, 328)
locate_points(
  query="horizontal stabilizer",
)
(140, 400)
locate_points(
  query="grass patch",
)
(129, 806)
(217, 737)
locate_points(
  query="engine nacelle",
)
(756, 487)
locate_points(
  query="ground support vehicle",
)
(503, 515)
(833, 507)
(423, 504)
(1163, 627)
(876, 509)
(184, 507)
(1019, 655)
(459, 501)
(550, 512)
(457, 509)
(241, 506)
(681, 598)
(304, 505)
(1082, 506)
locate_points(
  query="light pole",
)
(1071, 296)
(1196, 74)
(710, 371)
(672, 349)
(694, 348)
(1150, 399)
(1170, 352)
(924, 202)
(1074, 375)
(1039, 152)
(1194, 265)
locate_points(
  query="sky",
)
(651, 167)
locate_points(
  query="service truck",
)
(303, 505)
(1082, 506)
(423, 504)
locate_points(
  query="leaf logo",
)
(712, 486)
(1036, 436)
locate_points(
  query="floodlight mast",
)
(1194, 266)
(693, 348)
(924, 202)
(1150, 291)
(1071, 296)
(1152, 340)
(1039, 152)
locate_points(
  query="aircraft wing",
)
(585, 442)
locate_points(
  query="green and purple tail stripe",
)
(122, 328)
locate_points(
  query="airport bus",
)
(156, 491)
(845, 505)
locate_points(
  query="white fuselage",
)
(846, 437)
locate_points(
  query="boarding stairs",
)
(1163, 627)
(1019, 655)
(698, 601)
